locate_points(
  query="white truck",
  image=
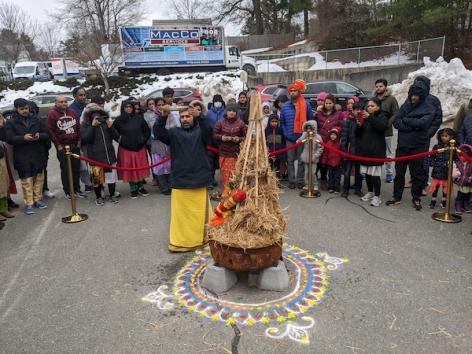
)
(179, 45)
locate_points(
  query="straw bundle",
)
(257, 222)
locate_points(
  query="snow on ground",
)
(450, 82)
(225, 83)
(393, 59)
(257, 50)
(298, 43)
(37, 88)
(268, 66)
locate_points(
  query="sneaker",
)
(40, 205)
(376, 201)
(432, 204)
(336, 191)
(300, 185)
(292, 185)
(330, 190)
(368, 196)
(443, 204)
(359, 193)
(417, 204)
(345, 194)
(79, 194)
(467, 208)
(48, 194)
(100, 201)
(143, 192)
(88, 189)
(117, 195)
(29, 210)
(389, 178)
(134, 194)
(67, 196)
(113, 199)
(393, 201)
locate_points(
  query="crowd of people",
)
(144, 132)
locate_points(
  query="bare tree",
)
(95, 24)
(16, 28)
(103, 17)
(238, 11)
(48, 39)
(189, 9)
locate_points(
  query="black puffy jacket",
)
(415, 122)
(27, 155)
(435, 102)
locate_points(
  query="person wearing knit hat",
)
(229, 132)
(320, 98)
(293, 115)
(349, 103)
(216, 110)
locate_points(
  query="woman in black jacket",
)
(370, 141)
(97, 133)
(134, 133)
(30, 140)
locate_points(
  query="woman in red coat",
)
(327, 119)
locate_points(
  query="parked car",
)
(31, 70)
(267, 91)
(341, 90)
(44, 102)
(188, 94)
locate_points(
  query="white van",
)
(31, 70)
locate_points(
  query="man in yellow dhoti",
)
(190, 176)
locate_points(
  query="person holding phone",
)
(98, 133)
(370, 134)
(349, 145)
(30, 140)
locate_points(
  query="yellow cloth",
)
(190, 212)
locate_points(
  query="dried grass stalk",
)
(258, 221)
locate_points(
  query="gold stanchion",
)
(75, 217)
(447, 216)
(310, 192)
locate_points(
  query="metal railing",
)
(389, 54)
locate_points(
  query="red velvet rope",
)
(272, 153)
(119, 168)
(466, 157)
(281, 151)
(374, 159)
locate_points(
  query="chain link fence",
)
(384, 55)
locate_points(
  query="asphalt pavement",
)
(407, 287)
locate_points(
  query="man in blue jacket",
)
(292, 115)
(415, 121)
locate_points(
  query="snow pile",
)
(450, 82)
(393, 59)
(226, 83)
(38, 88)
(255, 51)
(268, 66)
(298, 43)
